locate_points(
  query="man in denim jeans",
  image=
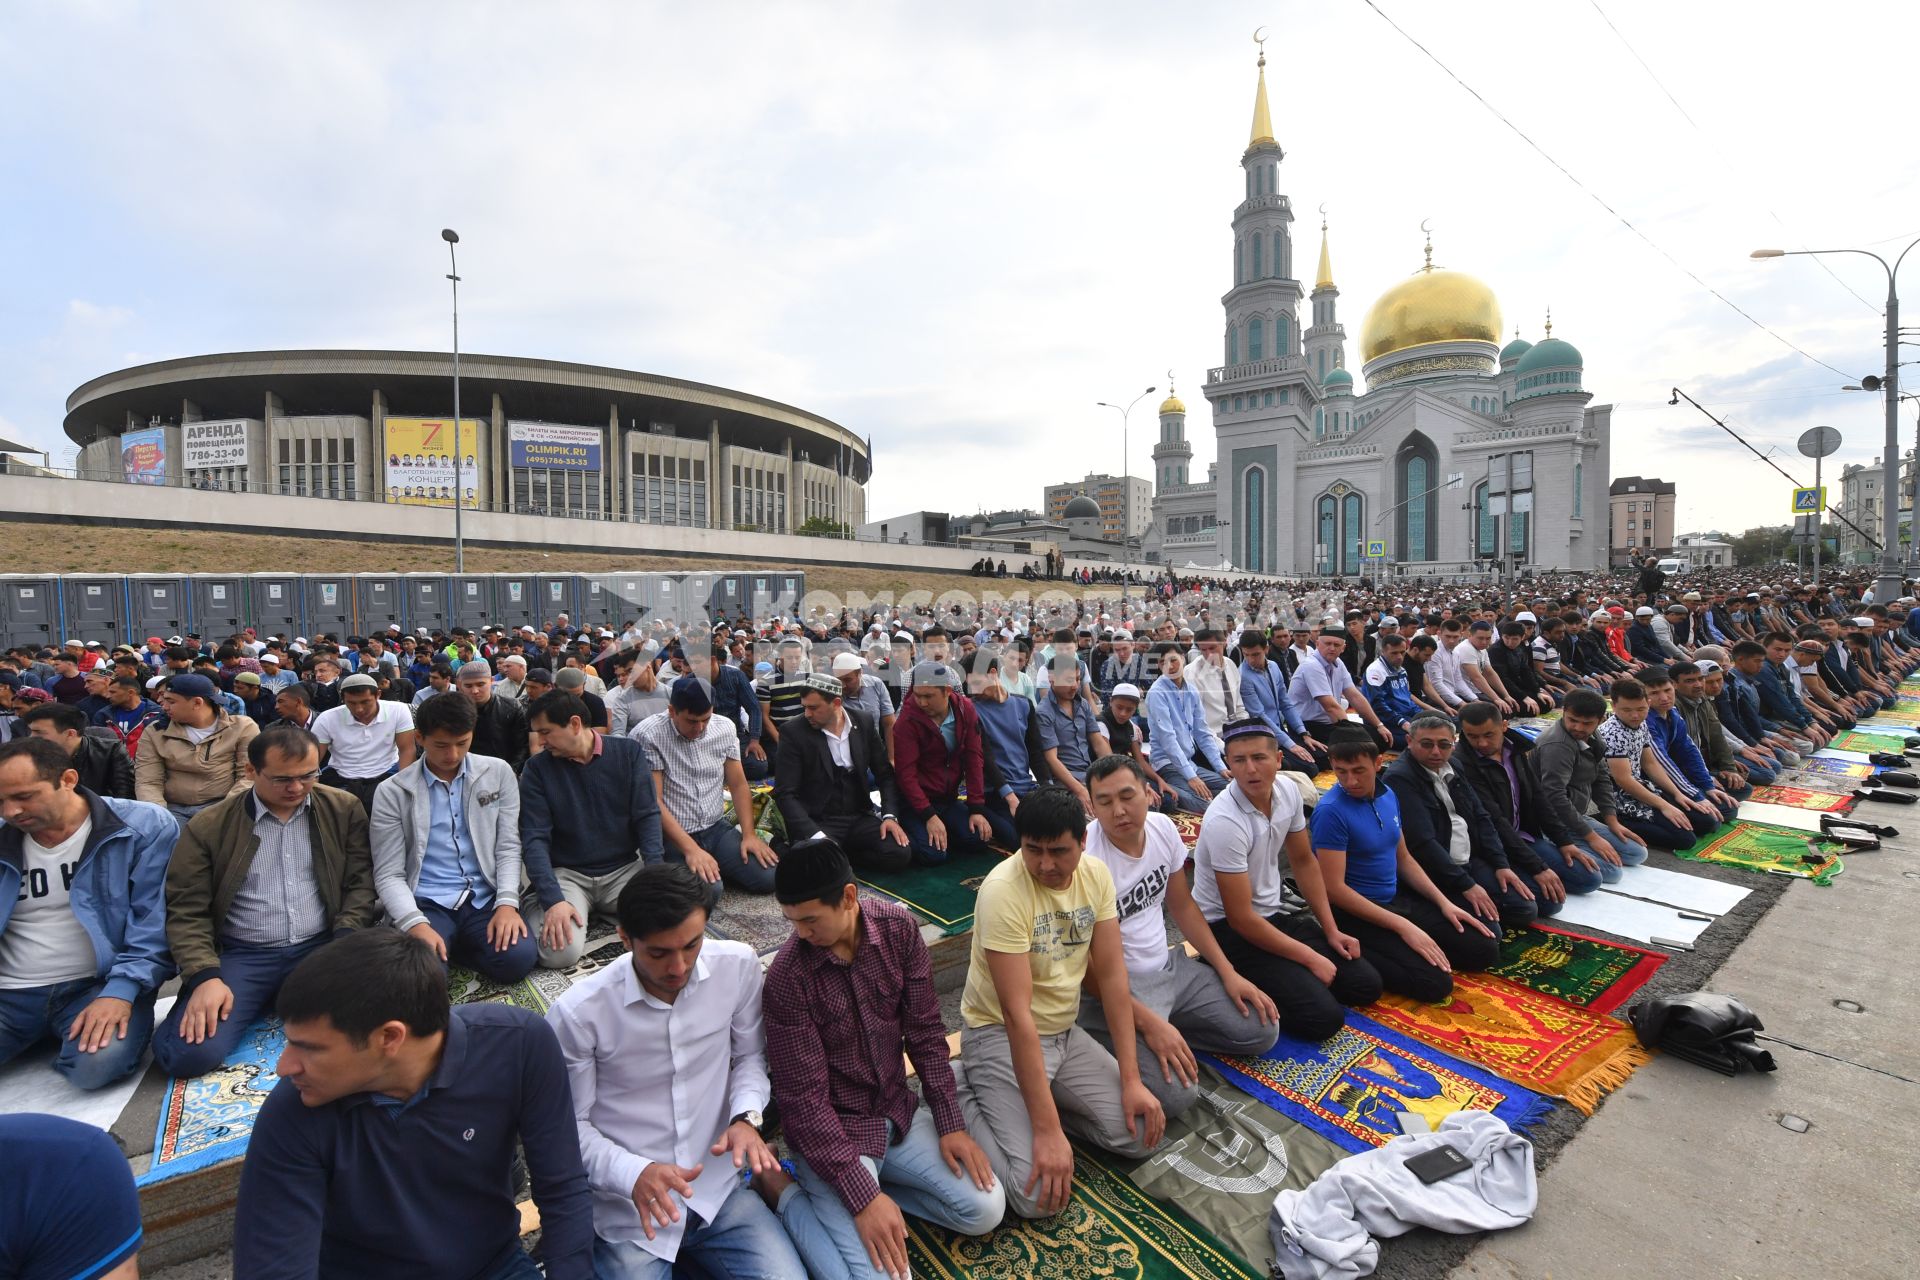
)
(83, 944)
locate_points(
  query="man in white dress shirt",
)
(667, 1060)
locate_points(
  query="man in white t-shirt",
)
(1180, 1004)
(1252, 839)
(367, 739)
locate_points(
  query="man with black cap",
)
(866, 1150)
(365, 740)
(695, 759)
(832, 758)
(199, 756)
(501, 730)
(573, 680)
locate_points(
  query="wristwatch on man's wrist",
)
(753, 1118)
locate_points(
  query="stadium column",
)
(498, 493)
(377, 423)
(720, 490)
(612, 455)
(793, 487)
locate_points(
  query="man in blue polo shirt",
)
(387, 1147)
(1323, 692)
(77, 1217)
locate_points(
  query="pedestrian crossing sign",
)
(1809, 501)
(1376, 550)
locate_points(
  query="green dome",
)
(1337, 377)
(1514, 350)
(1550, 353)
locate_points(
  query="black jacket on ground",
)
(1489, 780)
(1423, 823)
(808, 785)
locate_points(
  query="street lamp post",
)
(1913, 470)
(452, 238)
(1126, 489)
(1887, 587)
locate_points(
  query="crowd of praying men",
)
(319, 828)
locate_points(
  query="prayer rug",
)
(1532, 1039)
(1754, 846)
(768, 824)
(1815, 781)
(1855, 740)
(1188, 825)
(1586, 972)
(1835, 768)
(1110, 1228)
(1225, 1159)
(1325, 782)
(208, 1120)
(1351, 1088)
(941, 895)
(1802, 798)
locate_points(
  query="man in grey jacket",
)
(446, 847)
(1577, 787)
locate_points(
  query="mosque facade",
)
(1458, 453)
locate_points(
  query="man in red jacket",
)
(937, 754)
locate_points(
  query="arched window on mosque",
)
(1416, 465)
(1319, 423)
(1578, 497)
(1327, 539)
(1256, 327)
(1233, 345)
(1254, 519)
(1239, 272)
(1257, 272)
(1483, 524)
(1282, 338)
(1353, 533)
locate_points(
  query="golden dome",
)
(1172, 404)
(1431, 306)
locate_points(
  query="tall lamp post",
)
(452, 238)
(1871, 383)
(1126, 490)
(1887, 587)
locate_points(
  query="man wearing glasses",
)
(258, 881)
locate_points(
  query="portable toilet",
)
(725, 597)
(696, 599)
(273, 604)
(761, 591)
(219, 606)
(329, 604)
(30, 610)
(427, 600)
(471, 604)
(514, 598)
(631, 597)
(95, 608)
(162, 605)
(665, 596)
(554, 594)
(378, 602)
(597, 601)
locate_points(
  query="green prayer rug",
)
(942, 895)
(1594, 975)
(1755, 846)
(1856, 740)
(1110, 1228)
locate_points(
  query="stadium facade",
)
(536, 437)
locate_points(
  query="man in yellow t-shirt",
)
(1044, 922)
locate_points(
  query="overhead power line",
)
(1597, 199)
(1684, 115)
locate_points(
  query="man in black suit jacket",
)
(831, 759)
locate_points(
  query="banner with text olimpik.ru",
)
(547, 446)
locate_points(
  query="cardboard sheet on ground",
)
(1677, 889)
(1629, 918)
(29, 1083)
(1779, 815)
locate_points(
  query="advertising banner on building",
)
(143, 455)
(545, 446)
(420, 460)
(206, 446)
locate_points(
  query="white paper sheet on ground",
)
(1834, 753)
(29, 1083)
(1779, 815)
(1628, 917)
(1679, 889)
(1891, 728)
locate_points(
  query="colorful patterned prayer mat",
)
(1856, 740)
(1755, 846)
(206, 1121)
(1803, 798)
(1594, 975)
(941, 895)
(1110, 1228)
(1835, 768)
(1351, 1088)
(1325, 782)
(1817, 782)
(1188, 825)
(1529, 1038)
(769, 824)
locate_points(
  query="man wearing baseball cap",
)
(365, 740)
(199, 757)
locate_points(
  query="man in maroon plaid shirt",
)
(844, 996)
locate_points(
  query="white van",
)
(1672, 565)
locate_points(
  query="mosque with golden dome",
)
(1458, 452)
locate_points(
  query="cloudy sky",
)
(957, 228)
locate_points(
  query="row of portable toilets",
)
(126, 608)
